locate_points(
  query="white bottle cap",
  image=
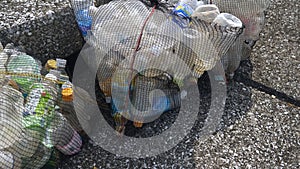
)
(226, 19)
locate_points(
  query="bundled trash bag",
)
(131, 36)
(30, 125)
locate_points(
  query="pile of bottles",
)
(200, 33)
(35, 106)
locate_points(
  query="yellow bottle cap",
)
(51, 64)
(67, 92)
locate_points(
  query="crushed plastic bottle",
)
(40, 105)
(10, 120)
(26, 69)
(61, 134)
(207, 12)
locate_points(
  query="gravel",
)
(46, 28)
(276, 57)
(267, 137)
(182, 155)
(256, 130)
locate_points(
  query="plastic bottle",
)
(9, 160)
(50, 65)
(27, 71)
(26, 146)
(63, 136)
(3, 61)
(40, 105)
(207, 12)
(61, 67)
(10, 121)
(81, 10)
(40, 157)
(67, 107)
(162, 92)
(185, 8)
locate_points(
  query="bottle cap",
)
(226, 19)
(67, 94)
(51, 64)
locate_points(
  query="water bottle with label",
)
(81, 10)
(40, 105)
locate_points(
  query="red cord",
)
(137, 48)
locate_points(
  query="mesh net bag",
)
(128, 35)
(31, 123)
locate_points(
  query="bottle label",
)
(40, 105)
(84, 21)
(61, 63)
(183, 10)
(73, 147)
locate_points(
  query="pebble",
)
(270, 143)
(279, 47)
(34, 21)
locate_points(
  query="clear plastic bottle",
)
(10, 120)
(164, 95)
(61, 67)
(185, 8)
(63, 136)
(81, 10)
(9, 160)
(67, 106)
